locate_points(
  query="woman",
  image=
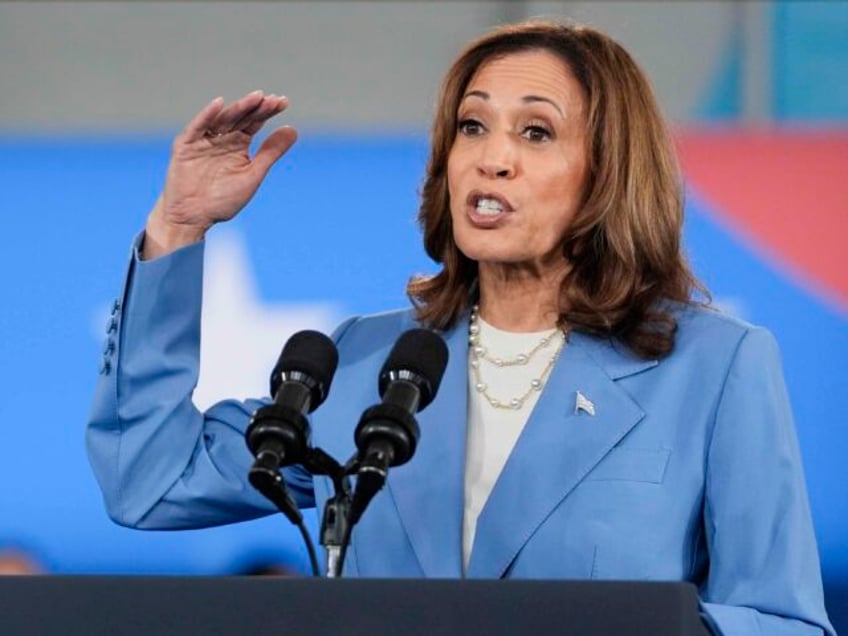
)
(600, 424)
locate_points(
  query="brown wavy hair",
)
(624, 245)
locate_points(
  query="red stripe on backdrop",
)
(785, 191)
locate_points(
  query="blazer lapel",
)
(557, 448)
(428, 490)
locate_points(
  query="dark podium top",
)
(128, 605)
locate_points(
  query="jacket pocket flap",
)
(632, 464)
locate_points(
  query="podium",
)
(135, 605)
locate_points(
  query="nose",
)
(497, 158)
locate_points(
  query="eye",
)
(470, 127)
(537, 133)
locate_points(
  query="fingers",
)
(275, 146)
(270, 106)
(202, 122)
(247, 115)
(233, 113)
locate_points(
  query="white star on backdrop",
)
(241, 335)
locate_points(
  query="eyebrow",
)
(527, 99)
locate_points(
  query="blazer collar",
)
(556, 449)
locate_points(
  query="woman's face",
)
(517, 168)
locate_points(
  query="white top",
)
(493, 432)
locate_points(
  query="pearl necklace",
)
(479, 354)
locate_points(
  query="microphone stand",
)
(335, 526)
(335, 533)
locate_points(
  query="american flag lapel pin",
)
(582, 403)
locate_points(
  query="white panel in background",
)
(105, 66)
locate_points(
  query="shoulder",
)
(705, 322)
(709, 335)
(702, 326)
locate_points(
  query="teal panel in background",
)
(810, 62)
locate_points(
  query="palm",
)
(211, 176)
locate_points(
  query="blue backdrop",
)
(333, 223)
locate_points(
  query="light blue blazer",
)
(688, 470)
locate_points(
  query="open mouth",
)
(486, 209)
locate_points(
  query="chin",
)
(482, 245)
(491, 254)
(485, 251)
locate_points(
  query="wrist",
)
(162, 237)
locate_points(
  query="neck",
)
(514, 299)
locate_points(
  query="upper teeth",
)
(489, 205)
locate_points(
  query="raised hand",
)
(212, 176)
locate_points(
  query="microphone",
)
(277, 433)
(387, 434)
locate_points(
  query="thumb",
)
(275, 146)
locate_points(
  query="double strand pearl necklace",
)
(479, 354)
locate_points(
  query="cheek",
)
(565, 188)
(558, 205)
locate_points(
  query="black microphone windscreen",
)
(422, 352)
(311, 353)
